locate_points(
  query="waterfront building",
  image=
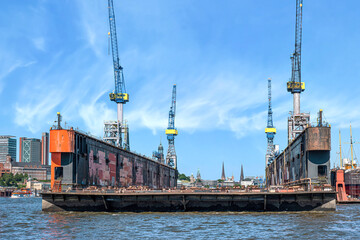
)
(45, 148)
(33, 170)
(7, 147)
(3, 169)
(37, 186)
(248, 181)
(30, 150)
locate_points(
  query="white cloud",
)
(94, 115)
(39, 43)
(95, 30)
(222, 98)
(32, 113)
(228, 102)
(7, 68)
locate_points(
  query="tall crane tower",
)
(171, 132)
(116, 132)
(297, 121)
(270, 130)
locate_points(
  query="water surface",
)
(23, 219)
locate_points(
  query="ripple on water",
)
(23, 218)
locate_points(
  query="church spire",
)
(223, 173)
(242, 173)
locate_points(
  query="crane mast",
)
(298, 121)
(171, 132)
(270, 130)
(117, 132)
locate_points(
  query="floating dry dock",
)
(176, 201)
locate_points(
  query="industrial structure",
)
(117, 132)
(171, 132)
(297, 121)
(306, 159)
(112, 178)
(270, 131)
(80, 160)
(346, 178)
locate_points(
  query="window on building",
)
(58, 173)
(322, 171)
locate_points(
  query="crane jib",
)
(119, 95)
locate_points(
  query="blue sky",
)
(54, 57)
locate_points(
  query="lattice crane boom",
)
(119, 95)
(270, 130)
(295, 85)
(114, 132)
(171, 132)
(298, 121)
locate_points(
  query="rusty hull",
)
(318, 138)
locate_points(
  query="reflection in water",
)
(22, 218)
(56, 225)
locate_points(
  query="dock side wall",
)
(172, 202)
(80, 160)
(308, 156)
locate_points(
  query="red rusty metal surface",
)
(126, 177)
(101, 164)
(62, 141)
(318, 138)
(102, 170)
(55, 162)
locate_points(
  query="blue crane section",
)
(119, 95)
(171, 132)
(295, 85)
(270, 130)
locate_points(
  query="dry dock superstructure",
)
(80, 160)
(306, 159)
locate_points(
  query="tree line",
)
(11, 180)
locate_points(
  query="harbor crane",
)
(171, 132)
(117, 132)
(270, 130)
(298, 121)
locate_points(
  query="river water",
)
(23, 219)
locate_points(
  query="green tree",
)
(183, 177)
(9, 179)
